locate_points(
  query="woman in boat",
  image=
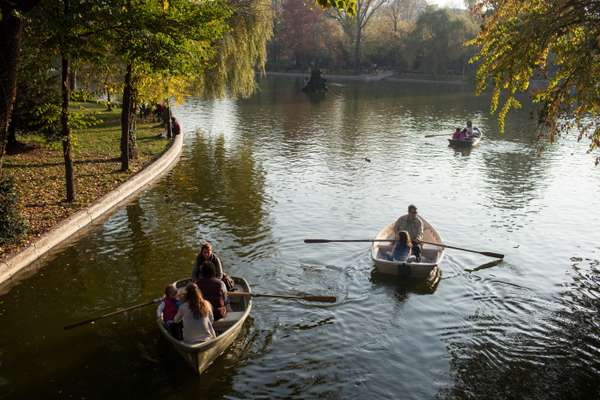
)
(196, 314)
(213, 289)
(206, 254)
(403, 248)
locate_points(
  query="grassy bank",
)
(39, 173)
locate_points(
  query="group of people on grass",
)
(189, 314)
(409, 233)
(464, 134)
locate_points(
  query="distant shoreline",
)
(384, 76)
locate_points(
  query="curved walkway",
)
(11, 267)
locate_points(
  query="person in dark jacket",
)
(206, 254)
(176, 128)
(213, 289)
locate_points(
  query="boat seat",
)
(227, 322)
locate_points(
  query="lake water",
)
(256, 177)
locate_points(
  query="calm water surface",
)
(257, 177)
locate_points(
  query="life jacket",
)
(213, 293)
(170, 309)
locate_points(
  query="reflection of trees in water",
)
(514, 178)
(227, 183)
(559, 360)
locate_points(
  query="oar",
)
(322, 299)
(110, 314)
(485, 253)
(445, 134)
(489, 264)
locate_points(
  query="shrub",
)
(12, 224)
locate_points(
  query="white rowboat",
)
(431, 256)
(201, 355)
(473, 141)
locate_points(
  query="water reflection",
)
(259, 175)
(556, 358)
(406, 287)
(516, 177)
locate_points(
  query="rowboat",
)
(472, 141)
(426, 269)
(201, 355)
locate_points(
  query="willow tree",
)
(555, 42)
(171, 38)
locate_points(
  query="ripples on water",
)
(260, 175)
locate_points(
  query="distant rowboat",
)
(431, 256)
(472, 141)
(201, 355)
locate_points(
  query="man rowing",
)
(412, 224)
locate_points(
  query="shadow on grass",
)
(20, 148)
(60, 163)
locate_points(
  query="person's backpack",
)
(229, 282)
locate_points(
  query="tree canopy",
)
(554, 43)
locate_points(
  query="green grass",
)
(39, 168)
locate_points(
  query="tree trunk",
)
(10, 32)
(66, 133)
(11, 140)
(125, 120)
(108, 101)
(132, 139)
(73, 79)
(357, 49)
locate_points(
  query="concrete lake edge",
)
(13, 267)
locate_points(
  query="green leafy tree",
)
(354, 23)
(437, 42)
(557, 43)
(170, 38)
(12, 15)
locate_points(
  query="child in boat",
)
(403, 248)
(167, 309)
(456, 135)
(196, 314)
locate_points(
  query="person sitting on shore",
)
(213, 289)
(412, 224)
(175, 127)
(206, 254)
(196, 314)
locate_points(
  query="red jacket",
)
(170, 309)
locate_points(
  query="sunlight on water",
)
(256, 177)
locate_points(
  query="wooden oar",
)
(110, 314)
(489, 264)
(322, 299)
(347, 240)
(485, 253)
(445, 134)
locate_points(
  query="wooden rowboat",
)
(473, 141)
(431, 256)
(201, 355)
